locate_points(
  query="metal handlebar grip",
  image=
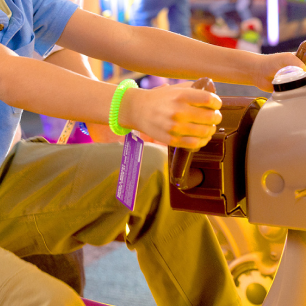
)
(301, 52)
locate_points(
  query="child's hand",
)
(268, 65)
(175, 115)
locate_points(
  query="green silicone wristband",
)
(115, 105)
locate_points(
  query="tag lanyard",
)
(130, 164)
(66, 132)
(130, 170)
(132, 149)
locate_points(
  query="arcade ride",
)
(249, 170)
(253, 168)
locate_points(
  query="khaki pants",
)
(68, 267)
(22, 283)
(56, 198)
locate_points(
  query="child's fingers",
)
(193, 130)
(189, 142)
(186, 84)
(197, 115)
(199, 98)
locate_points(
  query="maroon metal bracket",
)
(222, 162)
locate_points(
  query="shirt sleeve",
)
(49, 20)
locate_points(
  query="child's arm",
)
(163, 53)
(72, 61)
(172, 114)
(77, 62)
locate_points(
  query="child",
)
(55, 198)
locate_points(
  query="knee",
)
(59, 294)
(155, 158)
(50, 291)
(28, 286)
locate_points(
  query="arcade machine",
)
(253, 169)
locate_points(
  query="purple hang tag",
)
(129, 170)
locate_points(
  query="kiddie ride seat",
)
(254, 167)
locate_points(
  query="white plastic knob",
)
(288, 74)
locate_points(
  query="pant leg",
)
(22, 283)
(243, 8)
(65, 197)
(142, 12)
(179, 17)
(222, 9)
(69, 268)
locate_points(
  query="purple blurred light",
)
(273, 22)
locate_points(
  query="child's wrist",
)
(129, 109)
(117, 107)
(255, 69)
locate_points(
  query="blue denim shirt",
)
(34, 24)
